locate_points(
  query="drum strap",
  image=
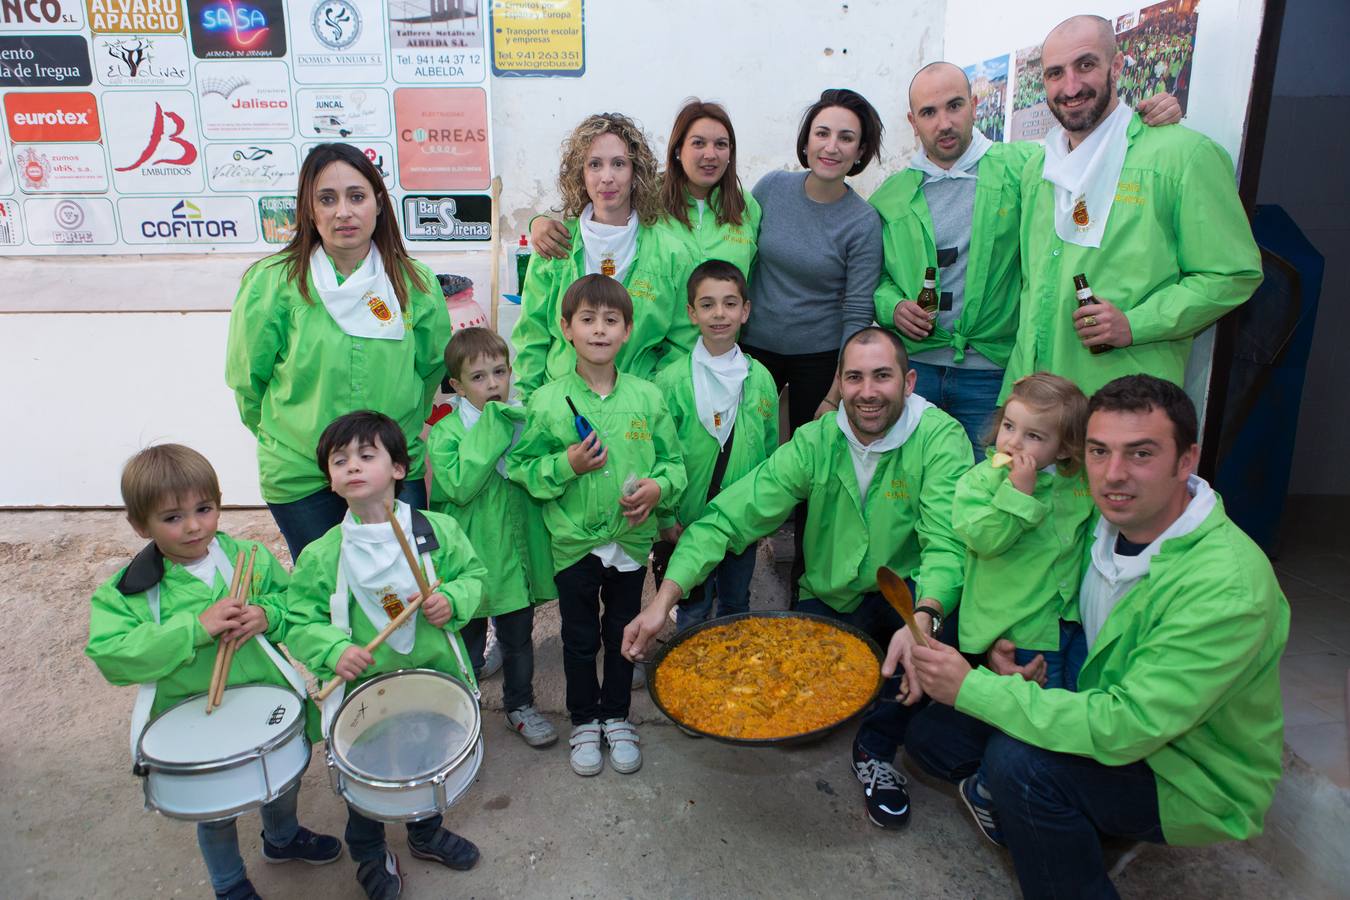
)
(145, 696)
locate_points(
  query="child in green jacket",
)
(600, 451)
(725, 407)
(504, 524)
(157, 622)
(365, 458)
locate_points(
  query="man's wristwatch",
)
(934, 618)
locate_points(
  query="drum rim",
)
(415, 815)
(216, 815)
(376, 781)
(243, 757)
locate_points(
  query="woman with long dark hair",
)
(341, 319)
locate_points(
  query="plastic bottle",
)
(522, 263)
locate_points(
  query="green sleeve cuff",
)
(200, 636)
(1022, 506)
(948, 595)
(978, 696)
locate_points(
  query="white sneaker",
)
(531, 725)
(492, 660)
(622, 738)
(586, 756)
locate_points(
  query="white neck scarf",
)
(979, 146)
(373, 564)
(613, 242)
(718, 382)
(1111, 576)
(866, 456)
(364, 305)
(470, 414)
(1085, 178)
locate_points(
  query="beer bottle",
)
(928, 297)
(1085, 298)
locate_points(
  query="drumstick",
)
(394, 624)
(219, 664)
(408, 552)
(245, 591)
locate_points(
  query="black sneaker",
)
(307, 846)
(980, 802)
(448, 849)
(241, 891)
(381, 879)
(883, 790)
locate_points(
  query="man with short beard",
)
(1150, 215)
(878, 479)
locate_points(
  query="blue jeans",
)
(1062, 665)
(969, 396)
(365, 837)
(515, 636)
(1052, 807)
(728, 585)
(304, 521)
(219, 841)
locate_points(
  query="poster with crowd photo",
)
(989, 85)
(1031, 118)
(174, 126)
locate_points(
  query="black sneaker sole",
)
(903, 823)
(312, 862)
(975, 817)
(458, 867)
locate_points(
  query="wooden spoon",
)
(897, 594)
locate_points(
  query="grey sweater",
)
(816, 269)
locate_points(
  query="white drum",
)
(405, 745)
(249, 751)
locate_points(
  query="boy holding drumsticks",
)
(365, 458)
(157, 623)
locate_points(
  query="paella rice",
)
(762, 678)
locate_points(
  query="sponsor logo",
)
(278, 219)
(154, 146)
(344, 113)
(10, 233)
(252, 106)
(68, 222)
(166, 143)
(63, 168)
(436, 39)
(135, 16)
(224, 29)
(17, 15)
(35, 117)
(34, 169)
(251, 167)
(195, 220)
(442, 138)
(344, 43)
(44, 61)
(336, 23)
(141, 60)
(465, 217)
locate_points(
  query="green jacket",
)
(503, 523)
(988, 320)
(1184, 675)
(1023, 556)
(905, 522)
(582, 512)
(754, 438)
(129, 647)
(293, 371)
(1178, 253)
(543, 354)
(318, 644)
(705, 239)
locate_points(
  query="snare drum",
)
(405, 745)
(248, 752)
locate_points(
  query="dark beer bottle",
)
(1085, 298)
(928, 297)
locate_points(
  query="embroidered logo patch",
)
(379, 308)
(392, 603)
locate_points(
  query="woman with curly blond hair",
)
(611, 198)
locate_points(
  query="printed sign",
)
(11, 231)
(251, 167)
(337, 41)
(187, 220)
(6, 175)
(70, 221)
(135, 16)
(438, 41)
(244, 102)
(153, 142)
(538, 37)
(61, 168)
(380, 154)
(343, 113)
(442, 138)
(277, 215)
(56, 60)
(51, 117)
(141, 60)
(41, 15)
(233, 29)
(463, 217)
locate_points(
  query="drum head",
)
(404, 726)
(250, 716)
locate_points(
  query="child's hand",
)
(588, 455)
(639, 504)
(672, 534)
(252, 621)
(352, 663)
(1022, 472)
(221, 616)
(437, 609)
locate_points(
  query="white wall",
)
(87, 390)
